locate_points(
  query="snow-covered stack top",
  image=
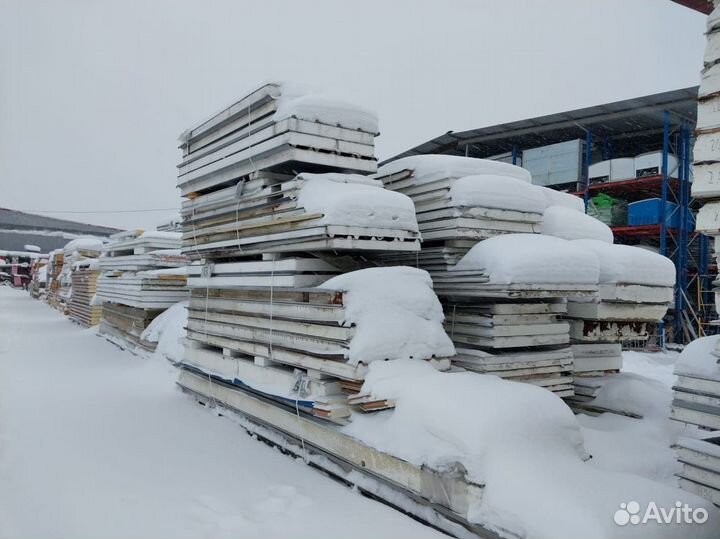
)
(531, 259)
(88, 244)
(625, 264)
(395, 312)
(570, 224)
(699, 359)
(354, 200)
(92, 264)
(431, 168)
(290, 100)
(558, 198)
(496, 191)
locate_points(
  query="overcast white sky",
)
(94, 93)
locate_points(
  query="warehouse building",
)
(18, 229)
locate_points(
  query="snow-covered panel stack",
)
(504, 303)
(77, 250)
(308, 212)
(635, 292)
(461, 200)
(311, 347)
(143, 274)
(55, 266)
(697, 402)
(706, 151)
(276, 208)
(84, 285)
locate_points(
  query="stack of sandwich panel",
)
(696, 401)
(266, 214)
(505, 317)
(524, 341)
(84, 286)
(706, 151)
(55, 266)
(143, 274)
(76, 251)
(274, 208)
(460, 201)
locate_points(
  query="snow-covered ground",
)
(98, 443)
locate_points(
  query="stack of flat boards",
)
(263, 215)
(271, 131)
(84, 286)
(155, 289)
(143, 274)
(459, 199)
(124, 325)
(286, 343)
(700, 460)
(697, 402)
(523, 340)
(55, 266)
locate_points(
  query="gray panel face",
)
(555, 164)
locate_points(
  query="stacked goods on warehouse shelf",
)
(706, 152)
(274, 209)
(697, 402)
(84, 285)
(143, 274)
(55, 266)
(504, 302)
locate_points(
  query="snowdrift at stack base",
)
(531, 259)
(570, 224)
(528, 453)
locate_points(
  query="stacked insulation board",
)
(143, 274)
(696, 401)
(513, 330)
(274, 207)
(55, 266)
(84, 285)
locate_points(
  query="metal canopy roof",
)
(632, 125)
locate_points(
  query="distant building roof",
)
(633, 122)
(18, 229)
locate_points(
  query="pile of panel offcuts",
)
(143, 273)
(274, 208)
(519, 303)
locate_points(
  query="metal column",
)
(588, 146)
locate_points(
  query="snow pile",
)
(168, 330)
(698, 359)
(430, 168)
(640, 446)
(395, 312)
(630, 265)
(495, 191)
(86, 243)
(32, 248)
(354, 200)
(557, 198)
(531, 259)
(159, 235)
(317, 107)
(528, 452)
(570, 224)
